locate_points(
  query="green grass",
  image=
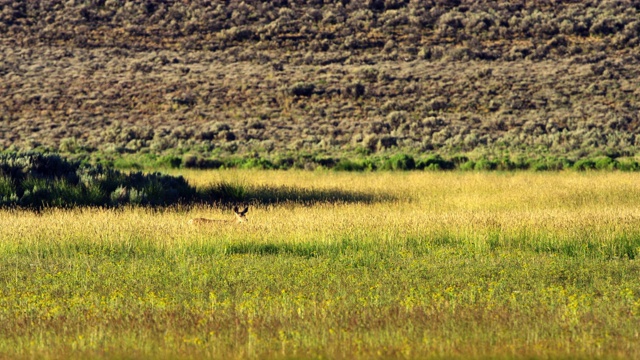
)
(443, 265)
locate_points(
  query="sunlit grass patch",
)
(441, 265)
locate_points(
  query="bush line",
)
(396, 162)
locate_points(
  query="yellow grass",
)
(432, 264)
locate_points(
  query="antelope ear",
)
(235, 209)
(246, 208)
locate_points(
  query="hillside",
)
(323, 78)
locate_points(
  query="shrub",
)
(327, 162)
(605, 163)
(468, 165)
(35, 180)
(435, 162)
(584, 164)
(349, 165)
(355, 90)
(369, 74)
(169, 161)
(302, 89)
(505, 164)
(627, 165)
(258, 163)
(209, 163)
(551, 163)
(189, 161)
(69, 145)
(7, 189)
(485, 164)
(559, 163)
(459, 159)
(387, 141)
(400, 162)
(284, 162)
(539, 165)
(119, 195)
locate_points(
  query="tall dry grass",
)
(430, 265)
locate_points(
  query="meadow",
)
(393, 265)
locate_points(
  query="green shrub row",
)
(396, 162)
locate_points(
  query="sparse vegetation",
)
(104, 80)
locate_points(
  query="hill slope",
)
(540, 78)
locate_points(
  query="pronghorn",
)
(241, 216)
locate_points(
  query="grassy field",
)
(394, 265)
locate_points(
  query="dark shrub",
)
(584, 164)
(209, 164)
(35, 180)
(302, 89)
(258, 163)
(349, 165)
(190, 161)
(505, 164)
(627, 165)
(468, 165)
(435, 162)
(170, 161)
(400, 162)
(387, 141)
(553, 163)
(539, 165)
(485, 164)
(355, 90)
(285, 162)
(459, 159)
(327, 162)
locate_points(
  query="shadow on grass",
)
(622, 247)
(304, 249)
(230, 194)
